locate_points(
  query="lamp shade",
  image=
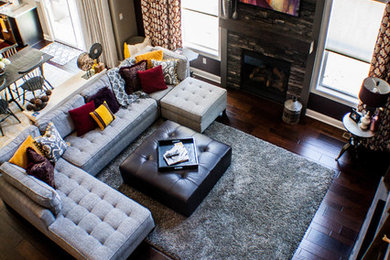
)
(374, 92)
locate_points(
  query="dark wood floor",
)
(335, 227)
(336, 224)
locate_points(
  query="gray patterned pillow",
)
(169, 68)
(51, 143)
(118, 87)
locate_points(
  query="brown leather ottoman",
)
(181, 190)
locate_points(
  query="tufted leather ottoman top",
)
(182, 190)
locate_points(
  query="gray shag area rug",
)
(259, 209)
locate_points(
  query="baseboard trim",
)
(47, 37)
(325, 119)
(206, 75)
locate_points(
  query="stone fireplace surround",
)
(272, 34)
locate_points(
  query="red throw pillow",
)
(81, 118)
(152, 80)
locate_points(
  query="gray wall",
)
(125, 26)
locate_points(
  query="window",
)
(200, 26)
(352, 32)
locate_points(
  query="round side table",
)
(357, 134)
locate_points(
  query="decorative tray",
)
(165, 145)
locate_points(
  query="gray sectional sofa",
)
(87, 218)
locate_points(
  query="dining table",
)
(22, 63)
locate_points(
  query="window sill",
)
(336, 96)
(213, 54)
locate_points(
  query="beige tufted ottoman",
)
(194, 103)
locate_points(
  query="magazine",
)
(176, 154)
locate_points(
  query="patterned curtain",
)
(162, 22)
(380, 68)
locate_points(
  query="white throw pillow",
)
(134, 49)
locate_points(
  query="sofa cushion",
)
(82, 121)
(40, 217)
(60, 116)
(152, 80)
(20, 156)
(158, 95)
(105, 94)
(85, 151)
(33, 188)
(96, 220)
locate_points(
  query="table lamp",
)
(374, 92)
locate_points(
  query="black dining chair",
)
(8, 51)
(33, 80)
(6, 112)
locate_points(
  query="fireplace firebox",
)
(264, 76)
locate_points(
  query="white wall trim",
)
(48, 37)
(321, 45)
(206, 75)
(325, 119)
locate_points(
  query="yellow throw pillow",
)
(149, 56)
(132, 49)
(102, 115)
(20, 156)
(126, 52)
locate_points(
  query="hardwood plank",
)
(320, 251)
(327, 242)
(28, 251)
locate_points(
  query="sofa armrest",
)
(37, 215)
(183, 65)
(36, 190)
(7, 151)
